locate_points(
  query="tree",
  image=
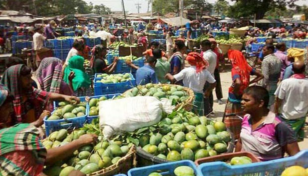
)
(244, 8)
(101, 9)
(221, 7)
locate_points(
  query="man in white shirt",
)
(38, 44)
(38, 39)
(195, 77)
(211, 58)
(292, 100)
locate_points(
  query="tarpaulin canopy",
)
(265, 21)
(176, 21)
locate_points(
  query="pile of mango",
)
(185, 136)
(176, 94)
(117, 44)
(114, 78)
(130, 58)
(240, 160)
(179, 171)
(87, 159)
(67, 110)
(94, 105)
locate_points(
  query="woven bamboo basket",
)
(187, 105)
(240, 33)
(224, 48)
(237, 46)
(122, 166)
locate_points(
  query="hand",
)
(71, 76)
(72, 99)
(207, 94)
(87, 99)
(39, 122)
(128, 62)
(88, 139)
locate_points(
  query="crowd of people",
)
(273, 104)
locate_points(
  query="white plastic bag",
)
(132, 113)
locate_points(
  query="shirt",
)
(162, 67)
(294, 95)
(49, 32)
(175, 62)
(193, 80)
(145, 75)
(271, 67)
(149, 52)
(288, 72)
(211, 57)
(99, 66)
(38, 41)
(71, 53)
(284, 61)
(268, 139)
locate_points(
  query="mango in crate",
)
(67, 111)
(115, 78)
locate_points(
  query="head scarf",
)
(81, 79)
(296, 53)
(3, 94)
(195, 59)
(49, 74)
(11, 79)
(240, 65)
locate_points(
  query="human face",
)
(250, 104)
(265, 51)
(104, 52)
(5, 110)
(26, 82)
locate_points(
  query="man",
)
(280, 54)
(211, 58)
(177, 62)
(38, 46)
(292, 100)
(146, 74)
(268, 41)
(195, 77)
(49, 30)
(271, 69)
(162, 66)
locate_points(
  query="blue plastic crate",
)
(139, 63)
(54, 125)
(160, 41)
(261, 39)
(60, 44)
(166, 169)
(69, 34)
(120, 175)
(108, 96)
(122, 67)
(18, 37)
(255, 47)
(289, 43)
(300, 44)
(113, 88)
(267, 168)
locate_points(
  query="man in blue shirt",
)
(146, 74)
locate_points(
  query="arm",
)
(292, 149)
(238, 146)
(60, 97)
(60, 153)
(209, 90)
(129, 63)
(259, 77)
(112, 67)
(287, 139)
(277, 105)
(265, 72)
(170, 78)
(237, 85)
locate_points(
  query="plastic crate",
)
(261, 39)
(160, 41)
(55, 125)
(300, 44)
(60, 44)
(227, 156)
(289, 43)
(113, 88)
(69, 34)
(122, 67)
(255, 47)
(166, 169)
(266, 168)
(139, 63)
(109, 96)
(120, 175)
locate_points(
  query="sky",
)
(130, 5)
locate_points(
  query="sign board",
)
(135, 51)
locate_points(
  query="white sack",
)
(132, 113)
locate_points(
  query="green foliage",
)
(221, 7)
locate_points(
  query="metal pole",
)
(181, 9)
(124, 13)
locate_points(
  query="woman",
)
(98, 63)
(195, 77)
(263, 133)
(49, 76)
(29, 102)
(81, 81)
(77, 49)
(21, 150)
(240, 72)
